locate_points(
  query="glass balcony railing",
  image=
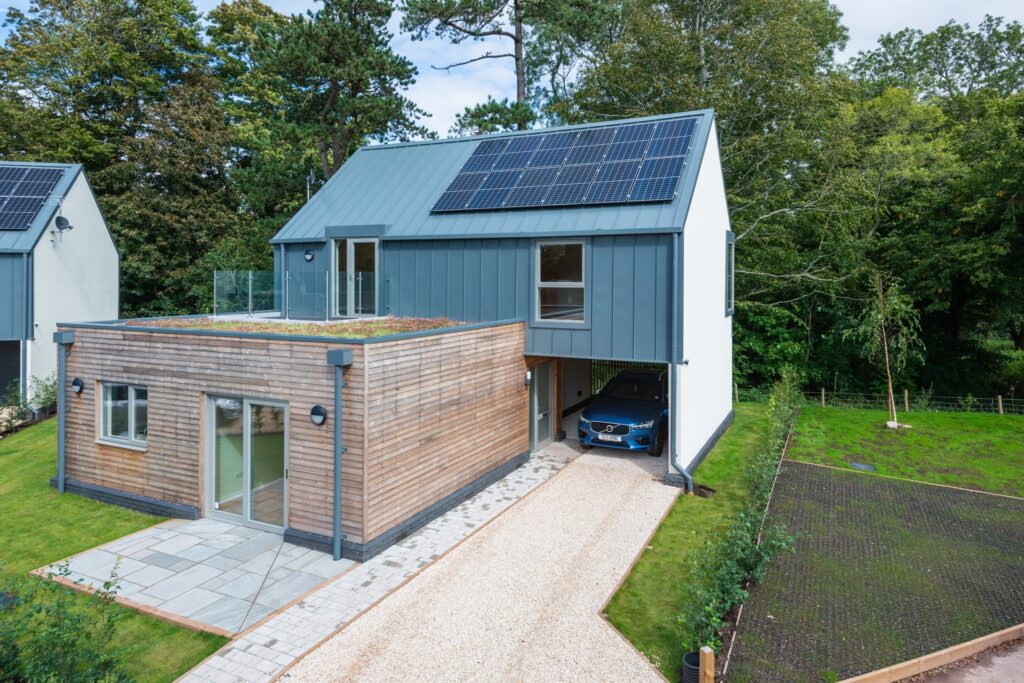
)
(296, 295)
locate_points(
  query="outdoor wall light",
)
(77, 385)
(308, 255)
(318, 415)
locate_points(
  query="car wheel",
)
(659, 444)
(585, 446)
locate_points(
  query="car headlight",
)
(644, 425)
(584, 421)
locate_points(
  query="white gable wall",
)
(703, 393)
(75, 276)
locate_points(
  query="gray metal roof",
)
(396, 185)
(21, 241)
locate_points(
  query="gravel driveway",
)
(521, 599)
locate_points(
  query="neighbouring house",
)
(565, 254)
(57, 263)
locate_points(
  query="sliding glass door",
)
(247, 466)
(355, 277)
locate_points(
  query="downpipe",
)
(673, 371)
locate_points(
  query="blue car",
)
(630, 413)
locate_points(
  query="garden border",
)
(767, 506)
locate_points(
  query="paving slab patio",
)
(221, 575)
(264, 652)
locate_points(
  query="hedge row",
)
(726, 565)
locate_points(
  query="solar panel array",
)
(22, 193)
(629, 163)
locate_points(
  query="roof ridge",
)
(541, 131)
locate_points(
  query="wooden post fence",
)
(736, 391)
(906, 401)
(823, 397)
(999, 400)
(707, 665)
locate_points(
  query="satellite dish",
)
(63, 224)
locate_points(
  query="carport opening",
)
(582, 382)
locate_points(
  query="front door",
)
(247, 473)
(355, 279)
(541, 401)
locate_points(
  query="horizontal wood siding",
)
(441, 412)
(178, 371)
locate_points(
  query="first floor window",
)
(124, 413)
(561, 293)
(730, 273)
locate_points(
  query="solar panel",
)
(23, 192)
(613, 164)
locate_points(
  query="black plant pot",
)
(691, 667)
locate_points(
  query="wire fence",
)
(906, 401)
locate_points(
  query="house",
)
(563, 253)
(57, 263)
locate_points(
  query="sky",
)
(443, 94)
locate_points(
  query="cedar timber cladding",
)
(423, 417)
(442, 411)
(179, 370)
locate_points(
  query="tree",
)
(949, 61)
(270, 157)
(339, 80)
(84, 70)
(546, 39)
(888, 334)
(492, 116)
(176, 203)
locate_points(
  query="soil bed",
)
(884, 571)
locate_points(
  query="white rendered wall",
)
(575, 381)
(75, 276)
(703, 393)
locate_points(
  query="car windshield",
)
(635, 388)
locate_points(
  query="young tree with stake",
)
(888, 333)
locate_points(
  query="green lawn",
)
(973, 450)
(645, 607)
(37, 527)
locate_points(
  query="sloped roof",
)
(396, 185)
(21, 241)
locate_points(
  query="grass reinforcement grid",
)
(883, 571)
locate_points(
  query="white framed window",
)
(561, 290)
(124, 413)
(730, 273)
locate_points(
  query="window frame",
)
(730, 273)
(583, 283)
(130, 442)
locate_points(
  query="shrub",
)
(14, 410)
(48, 634)
(725, 566)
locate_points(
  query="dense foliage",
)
(725, 566)
(202, 135)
